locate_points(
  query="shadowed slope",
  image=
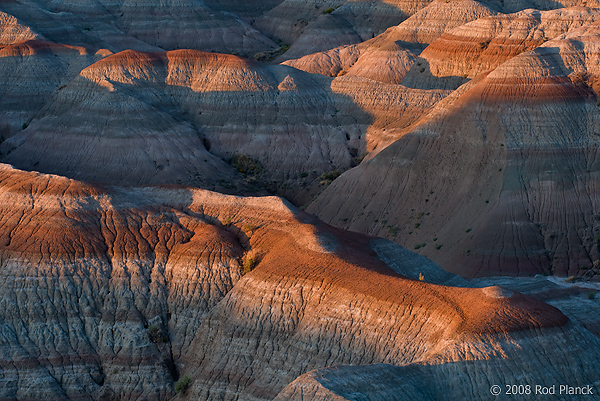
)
(140, 25)
(389, 56)
(526, 358)
(31, 71)
(503, 179)
(310, 27)
(136, 118)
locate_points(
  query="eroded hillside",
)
(142, 260)
(119, 291)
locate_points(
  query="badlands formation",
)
(299, 200)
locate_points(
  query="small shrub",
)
(227, 221)
(421, 277)
(591, 295)
(250, 228)
(571, 279)
(438, 247)
(246, 164)
(327, 178)
(393, 230)
(579, 78)
(157, 335)
(250, 260)
(328, 11)
(332, 175)
(183, 384)
(419, 246)
(468, 230)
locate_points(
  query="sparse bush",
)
(250, 228)
(393, 230)
(269, 55)
(421, 277)
(250, 260)
(419, 246)
(591, 295)
(327, 178)
(357, 160)
(246, 165)
(571, 279)
(183, 384)
(157, 335)
(328, 11)
(579, 78)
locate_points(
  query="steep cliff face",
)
(523, 127)
(111, 293)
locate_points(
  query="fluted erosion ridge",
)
(113, 293)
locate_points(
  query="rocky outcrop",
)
(454, 54)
